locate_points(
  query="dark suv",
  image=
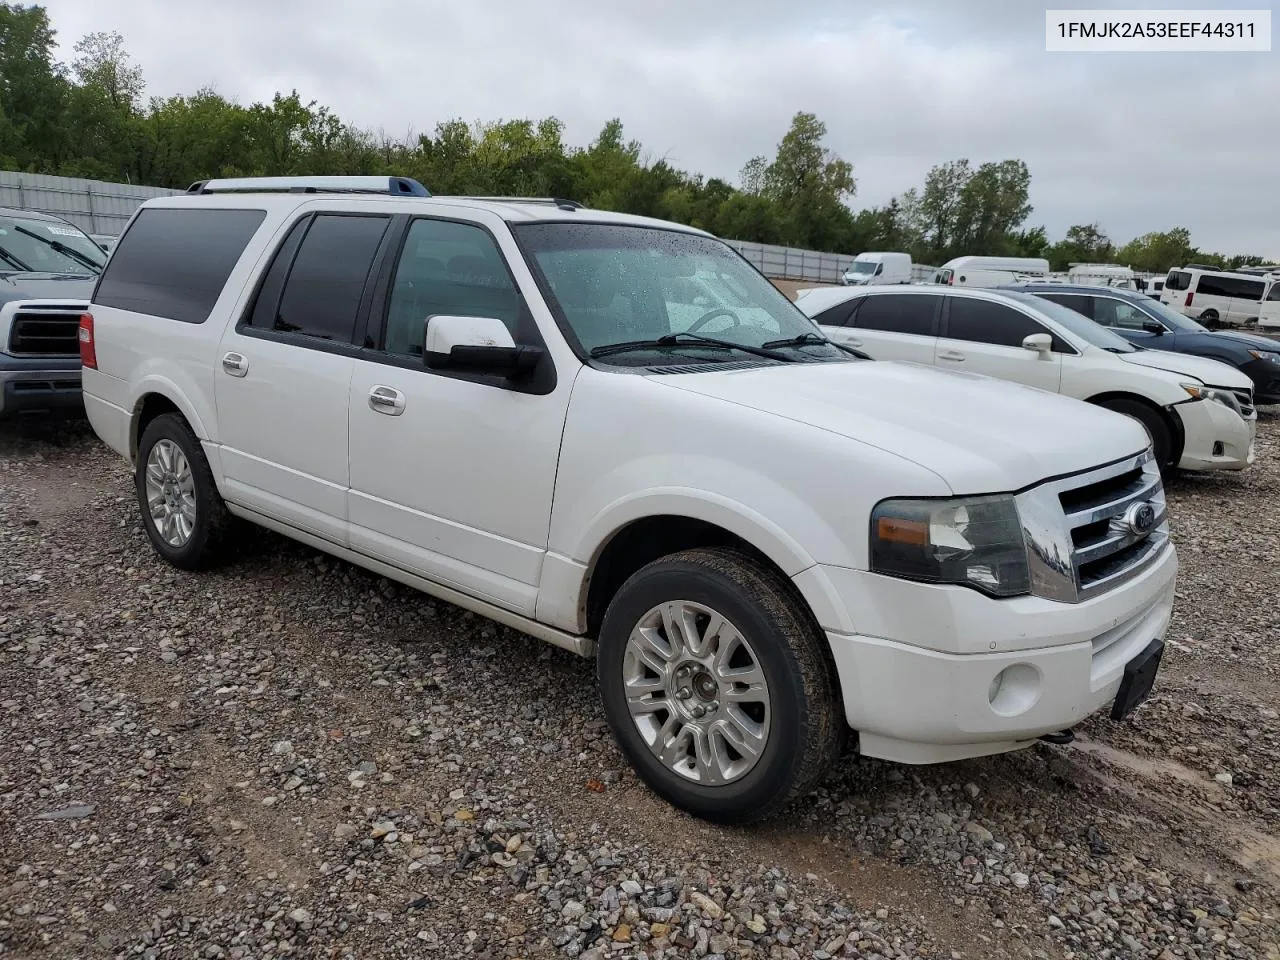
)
(1149, 323)
(47, 271)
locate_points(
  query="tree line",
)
(89, 118)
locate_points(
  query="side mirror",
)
(1040, 343)
(1152, 326)
(476, 344)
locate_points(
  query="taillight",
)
(1190, 294)
(88, 351)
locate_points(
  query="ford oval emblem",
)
(1141, 518)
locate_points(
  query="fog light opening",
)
(1015, 690)
(1219, 448)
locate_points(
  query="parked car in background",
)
(1199, 413)
(1216, 298)
(47, 271)
(990, 271)
(1102, 275)
(1149, 323)
(490, 400)
(1151, 287)
(1269, 312)
(870, 269)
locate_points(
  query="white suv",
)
(768, 542)
(1198, 412)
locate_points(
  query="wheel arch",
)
(1177, 435)
(156, 397)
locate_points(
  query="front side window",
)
(321, 297)
(448, 269)
(1117, 313)
(982, 321)
(910, 313)
(1274, 292)
(173, 262)
(612, 284)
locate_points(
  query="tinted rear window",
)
(174, 262)
(1177, 280)
(1274, 292)
(898, 313)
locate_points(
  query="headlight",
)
(975, 542)
(1265, 355)
(1224, 397)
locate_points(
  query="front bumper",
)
(40, 385)
(1266, 380)
(1215, 437)
(912, 703)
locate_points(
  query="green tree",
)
(1157, 252)
(1084, 243)
(34, 133)
(810, 184)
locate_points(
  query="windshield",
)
(863, 266)
(1174, 319)
(1077, 323)
(614, 284)
(47, 246)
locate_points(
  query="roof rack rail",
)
(396, 186)
(554, 201)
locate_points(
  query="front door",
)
(985, 337)
(452, 475)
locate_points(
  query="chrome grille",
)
(1089, 533)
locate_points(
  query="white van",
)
(1102, 275)
(1269, 310)
(869, 269)
(991, 271)
(1217, 298)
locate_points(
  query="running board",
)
(582, 646)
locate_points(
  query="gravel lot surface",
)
(291, 757)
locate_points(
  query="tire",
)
(194, 536)
(1155, 425)
(796, 715)
(1210, 319)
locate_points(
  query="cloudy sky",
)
(1136, 142)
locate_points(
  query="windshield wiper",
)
(686, 339)
(805, 339)
(57, 246)
(18, 264)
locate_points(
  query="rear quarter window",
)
(173, 262)
(1177, 280)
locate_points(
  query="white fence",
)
(94, 206)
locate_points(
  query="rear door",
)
(284, 371)
(893, 326)
(985, 337)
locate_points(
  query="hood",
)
(1250, 340)
(979, 434)
(46, 286)
(1213, 372)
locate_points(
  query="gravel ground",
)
(291, 757)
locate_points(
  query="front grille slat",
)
(46, 333)
(1245, 396)
(1083, 538)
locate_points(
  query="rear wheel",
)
(717, 685)
(1157, 429)
(182, 511)
(1210, 319)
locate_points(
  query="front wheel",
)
(1157, 429)
(717, 686)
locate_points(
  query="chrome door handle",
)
(951, 355)
(386, 400)
(235, 364)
